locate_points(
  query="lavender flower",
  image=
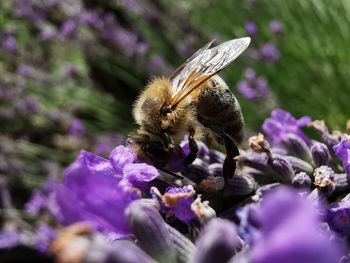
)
(342, 150)
(9, 43)
(289, 231)
(218, 242)
(276, 27)
(68, 28)
(269, 52)
(250, 28)
(91, 192)
(338, 217)
(76, 128)
(44, 236)
(177, 201)
(9, 238)
(253, 87)
(320, 154)
(281, 123)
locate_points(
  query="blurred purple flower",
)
(106, 143)
(23, 70)
(269, 52)
(276, 27)
(338, 217)
(156, 63)
(246, 90)
(90, 18)
(28, 105)
(342, 150)
(76, 128)
(142, 47)
(9, 43)
(132, 6)
(250, 74)
(251, 28)
(44, 236)
(281, 123)
(68, 28)
(90, 192)
(9, 238)
(253, 87)
(36, 202)
(48, 34)
(290, 232)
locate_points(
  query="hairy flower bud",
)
(218, 242)
(297, 146)
(320, 154)
(301, 180)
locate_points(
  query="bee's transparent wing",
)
(203, 65)
(198, 52)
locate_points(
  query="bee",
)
(193, 100)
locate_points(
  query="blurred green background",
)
(71, 69)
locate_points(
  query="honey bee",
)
(193, 100)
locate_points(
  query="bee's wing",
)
(198, 52)
(203, 65)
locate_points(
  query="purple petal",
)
(121, 156)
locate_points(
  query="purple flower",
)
(250, 74)
(218, 242)
(9, 238)
(250, 28)
(68, 28)
(36, 202)
(276, 27)
(76, 128)
(290, 232)
(105, 143)
(156, 63)
(281, 123)
(48, 34)
(253, 87)
(246, 90)
(338, 217)
(44, 236)
(342, 150)
(28, 105)
(91, 19)
(9, 43)
(269, 53)
(90, 192)
(23, 70)
(176, 200)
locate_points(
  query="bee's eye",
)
(165, 110)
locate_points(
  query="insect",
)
(193, 100)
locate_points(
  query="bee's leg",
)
(167, 140)
(193, 148)
(229, 166)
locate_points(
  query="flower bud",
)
(240, 186)
(183, 246)
(297, 146)
(301, 180)
(218, 242)
(341, 182)
(320, 154)
(151, 232)
(300, 165)
(126, 252)
(283, 169)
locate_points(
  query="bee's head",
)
(153, 110)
